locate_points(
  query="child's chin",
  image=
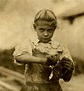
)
(45, 41)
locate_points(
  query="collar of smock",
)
(53, 43)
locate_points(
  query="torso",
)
(39, 72)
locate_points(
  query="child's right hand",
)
(67, 63)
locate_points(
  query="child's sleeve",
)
(65, 52)
(21, 49)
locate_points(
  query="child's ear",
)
(34, 25)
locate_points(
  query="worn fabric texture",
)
(40, 73)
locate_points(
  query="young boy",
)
(46, 61)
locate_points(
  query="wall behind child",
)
(16, 18)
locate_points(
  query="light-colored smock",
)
(39, 73)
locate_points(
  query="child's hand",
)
(52, 59)
(67, 63)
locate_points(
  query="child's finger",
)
(65, 58)
(67, 66)
(64, 61)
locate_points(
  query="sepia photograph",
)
(41, 45)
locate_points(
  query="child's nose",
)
(45, 33)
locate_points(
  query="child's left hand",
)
(67, 63)
(52, 59)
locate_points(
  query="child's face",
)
(44, 31)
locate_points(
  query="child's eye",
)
(50, 30)
(41, 29)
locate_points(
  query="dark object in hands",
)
(63, 69)
(68, 68)
(57, 71)
(52, 59)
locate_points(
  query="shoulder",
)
(22, 46)
(59, 46)
(55, 44)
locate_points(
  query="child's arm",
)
(26, 58)
(23, 54)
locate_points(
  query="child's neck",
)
(44, 42)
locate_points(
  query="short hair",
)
(46, 15)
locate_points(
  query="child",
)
(46, 61)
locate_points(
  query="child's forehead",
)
(45, 26)
(44, 23)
